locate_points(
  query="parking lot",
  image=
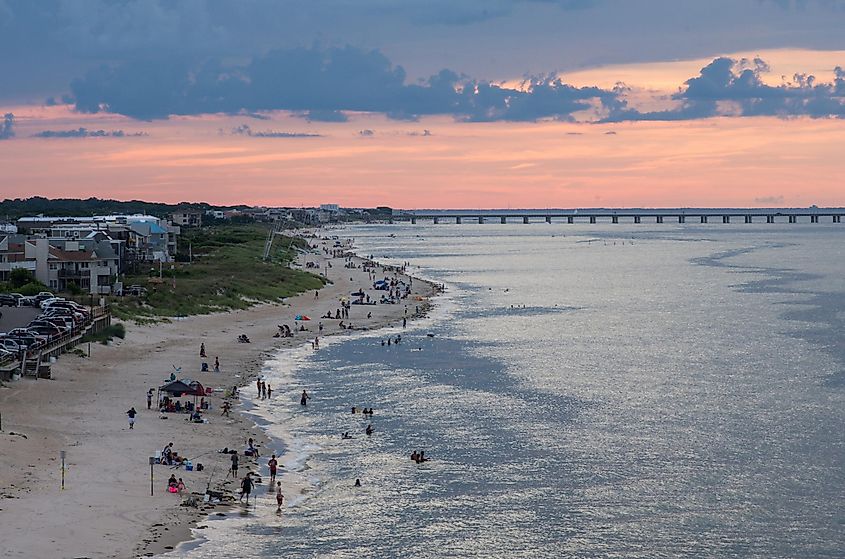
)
(17, 317)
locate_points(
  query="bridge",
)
(813, 215)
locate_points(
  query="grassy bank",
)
(225, 272)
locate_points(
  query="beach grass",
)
(106, 334)
(226, 271)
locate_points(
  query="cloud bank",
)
(85, 133)
(728, 87)
(246, 130)
(325, 84)
(320, 84)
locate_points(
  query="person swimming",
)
(369, 430)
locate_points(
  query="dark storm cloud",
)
(85, 133)
(320, 84)
(735, 87)
(46, 43)
(7, 128)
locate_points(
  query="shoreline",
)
(107, 503)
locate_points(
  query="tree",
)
(20, 277)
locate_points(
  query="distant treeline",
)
(12, 209)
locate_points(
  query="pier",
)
(638, 216)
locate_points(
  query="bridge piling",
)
(458, 220)
(504, 220)
(726, 219)
(658, 219)
(525, 220)
(615, 219)
(569, 219)
(637, 219)
(748, 219)
(704, 219)
(682, 219)
(592, 219)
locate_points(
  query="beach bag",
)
(200, 467)
(172, 489)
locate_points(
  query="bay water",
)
(582, 391)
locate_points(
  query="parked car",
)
(45, 329)
(6, 354)
(25, 301)
(11, 344)
(66, 305)
(65, 323)
(44, 303)
(27, 338)
(77, 318)
(42, 296)
(7, 300)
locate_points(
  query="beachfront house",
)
(186, 218)
(89, 265)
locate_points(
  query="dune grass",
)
(227, 272)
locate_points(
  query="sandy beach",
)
(106, 509)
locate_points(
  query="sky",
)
(425, 103)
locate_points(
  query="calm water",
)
(589, 391)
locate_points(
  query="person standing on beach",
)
(269, 391)
(303, 400)
(234, 468)
(202, 350)
(131, 413)
(216, 364)
(280, 499)
(246, 487)
(273, 463)
(149, 398)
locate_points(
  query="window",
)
(54, 284)
(53, 266)
(83, 264)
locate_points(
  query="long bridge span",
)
(756, 215)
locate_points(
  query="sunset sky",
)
(425, 104)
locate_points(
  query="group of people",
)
(365, 411)
(175, 485)
(265, 391)
(392, 340)
(284, 331)
(170, 457)
(418, 457)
